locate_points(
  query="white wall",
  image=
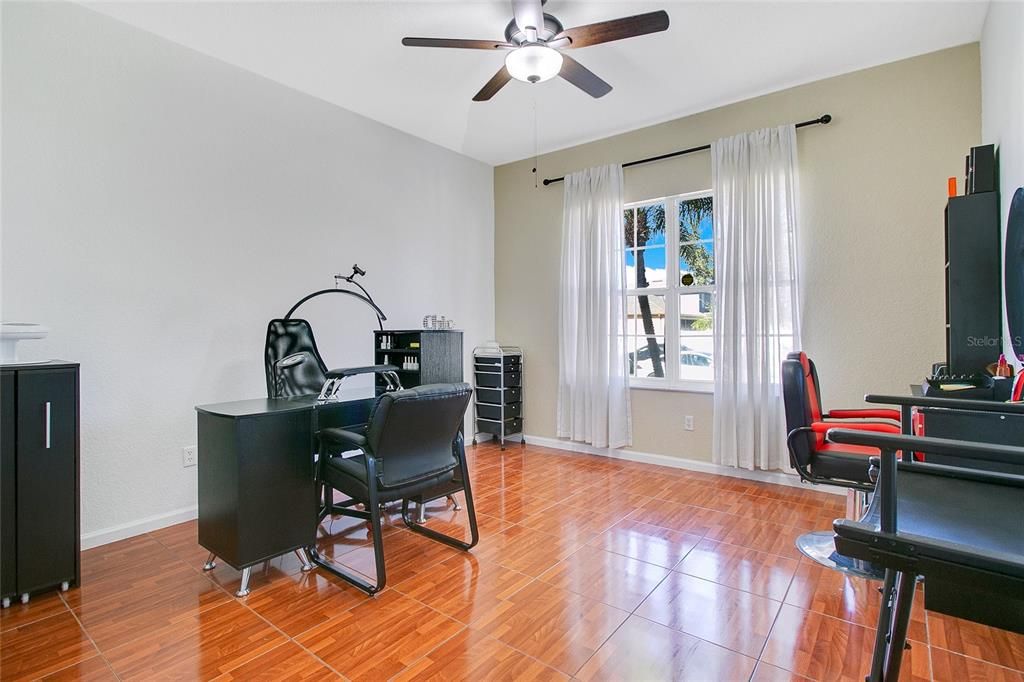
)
(160, 206)
(1002, 100)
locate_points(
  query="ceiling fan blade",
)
(492, 86)
(583, 78)
(528, 14)
(616, 29)
(457, 43)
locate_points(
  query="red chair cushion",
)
(846, 449)
(865, 414)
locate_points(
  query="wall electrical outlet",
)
(688, 422)
(188, 456)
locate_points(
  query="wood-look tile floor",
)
(587, 568)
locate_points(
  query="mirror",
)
(1013, 282)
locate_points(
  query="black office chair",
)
(413, 444)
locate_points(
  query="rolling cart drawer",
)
(494, 411)
(494, 427)
(508, 362)
(493, 396)
(493, 380)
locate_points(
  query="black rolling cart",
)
(498, 385)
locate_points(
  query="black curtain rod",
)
(825, 119)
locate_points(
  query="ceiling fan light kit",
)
(533, 63)
(534, 40)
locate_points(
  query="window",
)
(670, 275)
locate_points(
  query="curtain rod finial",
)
(825, 119)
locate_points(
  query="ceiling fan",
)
(534, 40)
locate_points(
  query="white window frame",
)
(671, 292)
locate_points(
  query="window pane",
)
(632, 315)
(695, 358)
(630, 268)
(646, 324)
(697, 264)
(695, 219)
(629, 227)
(696, 345)
(650, 267)
(646, 356)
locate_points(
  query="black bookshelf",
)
(439, 355)
(973, 282)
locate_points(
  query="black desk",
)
(256, 477)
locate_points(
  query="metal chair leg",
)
(470, 513)
(373, 510)
(211, 562)
(421, 512)
(243, 588)
(906, 584)
(304, 559)
(455, 503)
(882, 627)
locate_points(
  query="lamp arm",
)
(364, 298)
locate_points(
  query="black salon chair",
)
(413, 444)
(815, 459)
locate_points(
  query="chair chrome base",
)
(820, 546)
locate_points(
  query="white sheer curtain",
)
(757, 319)
(593, 393)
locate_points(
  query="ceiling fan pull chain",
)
(536, 184)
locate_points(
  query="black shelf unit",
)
(498, 389)
(439, 355)
(39, 476)
(974, 315)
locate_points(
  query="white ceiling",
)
(349, 53)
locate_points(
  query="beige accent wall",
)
(873, 189)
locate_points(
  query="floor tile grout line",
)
(99, 652)
(1019, 671)
(445, 641)
(928, 640)
(13, 605)
(775, 620)
(690, 634)
(287, 639)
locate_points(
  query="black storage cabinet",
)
(437, 352)
(39, 478)
(974, 309)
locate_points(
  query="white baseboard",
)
(777, 477)
(126, 530)
(158, 521)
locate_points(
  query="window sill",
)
(705, 387)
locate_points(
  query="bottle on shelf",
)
(1003, 368)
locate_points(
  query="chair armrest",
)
(885, 442)
(334, 436)
(353, 371)
(864, 414)
(877, 427)
(948, 403)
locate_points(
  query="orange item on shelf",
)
(951, 186)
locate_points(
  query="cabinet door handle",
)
(48, 411)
